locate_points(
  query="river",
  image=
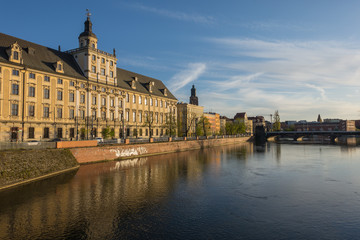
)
(278, 191)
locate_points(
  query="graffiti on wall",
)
(129, 152)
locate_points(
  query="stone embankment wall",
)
(106, 153)
(22, 166)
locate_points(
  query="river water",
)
(279, 191)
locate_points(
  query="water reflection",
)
(273, 191)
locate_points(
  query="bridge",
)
(297, 135)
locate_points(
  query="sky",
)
(301, 58)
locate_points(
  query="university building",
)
(76, 94)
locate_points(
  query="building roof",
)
(39, 57)
(43, 59)
(142, 82)
(240, 115)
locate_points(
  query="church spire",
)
(193, 98)
(87, 38)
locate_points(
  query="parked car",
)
(55, 140)
(100, 139)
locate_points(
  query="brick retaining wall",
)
(106, 153)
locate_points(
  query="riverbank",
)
(23, 166)
(120, 152)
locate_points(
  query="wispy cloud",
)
(186, 76)
(182, 16)
(261, 76)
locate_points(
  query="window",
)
(166, 104)
(157, 131)
(151, 101)
(72, 83)
(103, 89)
(112, 116)
(59, 95)
(15, 72)
(46, 112)
(120, 103)
(156, 102)
(60, 81)
(82, 98)
(112, 102)
(134, 98)
(134, 116)
(145, 101)
(127, 97)
(93, 57)
(103, 71)
(111, 63)
(146, 132)
(16, 55)
(46, 132)
(111, 74)
(59, 113)
(94, 100)
(140, 132)
(93, 69)
(15, 89)
(31, 91)
(156, 117)
(71, 97)
(139, 99)
(140, 117)
(161, 103)
(103, 115)
(47, 79)
(82, 85)
(93, 45)
(161, 118)
(82, 114)
(102, 60)
(14, 109)
(31, 132)
(59, 67)
(94, 114)
(127, 116)
(71, 113)
(72, 133)
(103, 101)
(31, 110)
(46, 93)
(32, 75)
(94, 88)
(112, 91)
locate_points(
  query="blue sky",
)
(299, 57)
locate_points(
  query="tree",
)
(170, 124)
(148, 122)
(277, 123)
(235, 127)
(203, 127)
(106, 132)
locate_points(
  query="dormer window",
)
(15, 52)
(93, 45)
(59, 66)
(151, 85)
(133, 84)
(15, 55)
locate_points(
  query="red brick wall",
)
(74, 144)
(96, 154)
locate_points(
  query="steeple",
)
(319, 119)
(87, 38)
(193, 98)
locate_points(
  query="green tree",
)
(277, 123)
(106, 132)
(203, 127)
(170, 125)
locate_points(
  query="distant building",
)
(223, 121)
(214, 120)
(242, 116)
(333, 125)
(193, 98)
(188, 116)
(257, 121)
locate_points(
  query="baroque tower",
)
(193, 98)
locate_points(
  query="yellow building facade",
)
(76, 94)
